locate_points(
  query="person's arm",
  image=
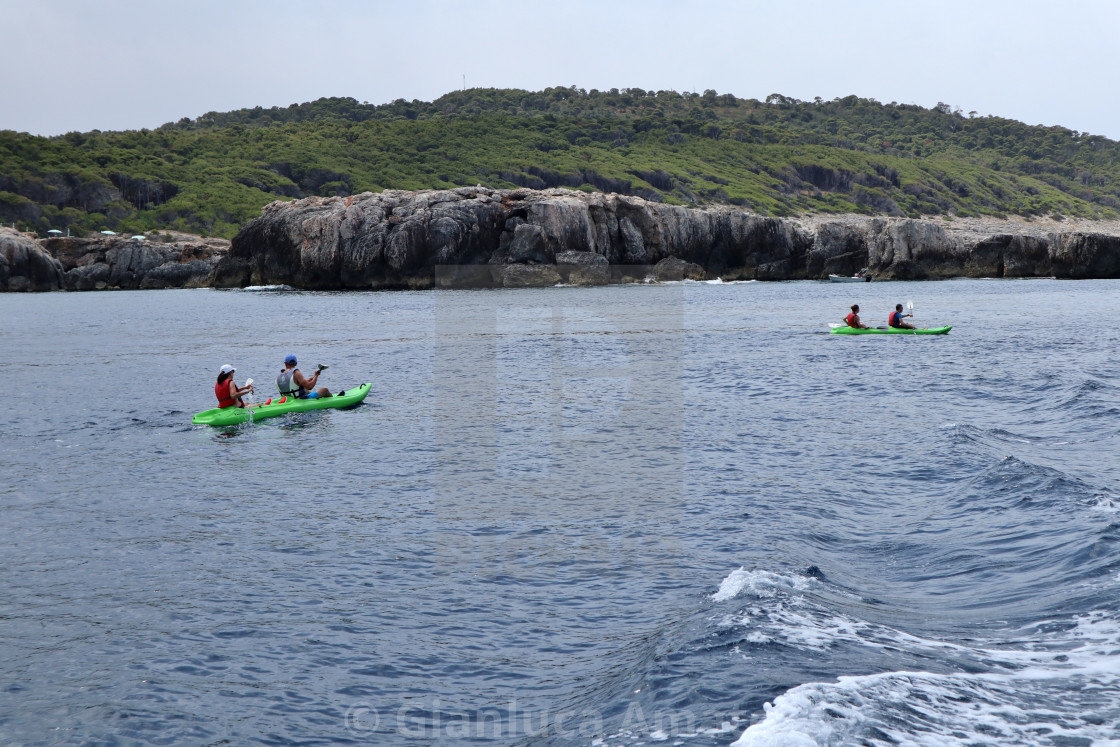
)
(237, 393)
(304, 382)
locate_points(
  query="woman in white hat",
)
(226, 390)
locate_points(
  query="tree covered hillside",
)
(780, 156)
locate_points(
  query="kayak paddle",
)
(249, 398)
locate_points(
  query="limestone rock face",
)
(480, 237)
(529, 276)
(675, 268)
(399, 239)
(393, 239)
(838, 250)
(1085, 255)
(1008, 256)
(904, 249)
(24, 266)
(583, 268)
(913, 250)
(114, 262)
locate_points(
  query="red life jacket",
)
(850, 319)
(221, 391)
(894, 319)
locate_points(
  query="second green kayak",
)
(235, 415)
(890, 331)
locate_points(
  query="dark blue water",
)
(678, 514)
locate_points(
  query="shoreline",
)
(480, 237)
(977, 226)
(525, 237)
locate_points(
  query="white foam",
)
(762, 584)
(1052, 681)
(926, 709)
(267, 288)
(1106, 502)
(1059, 684)
(785, 624)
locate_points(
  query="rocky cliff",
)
(112, 262)
(107, 262)
(25, 266)
(475, 236)
(522, 237)
(508, 237)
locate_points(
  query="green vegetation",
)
(777, 157)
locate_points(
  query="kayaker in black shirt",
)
(852, 320)
(895, 318)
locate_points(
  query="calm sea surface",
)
(678, 514)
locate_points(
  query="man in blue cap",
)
(292, 383)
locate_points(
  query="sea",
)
(679, 514)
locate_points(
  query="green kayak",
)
(235, 415)
(890, 331)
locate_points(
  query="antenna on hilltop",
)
(464, 81)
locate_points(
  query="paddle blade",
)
(910, 306)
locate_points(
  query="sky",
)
(122, 64)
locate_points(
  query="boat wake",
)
(1055, 684)
(1052, 682)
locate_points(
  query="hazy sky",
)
(122, 64)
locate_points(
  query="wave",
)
(758, 583)
(1003, 438)
(1060, 690)
(1049, 682)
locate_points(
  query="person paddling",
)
(226, 390)
(292, 383)
(852, 320)
(895, 318)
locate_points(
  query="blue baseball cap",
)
(289, 358)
